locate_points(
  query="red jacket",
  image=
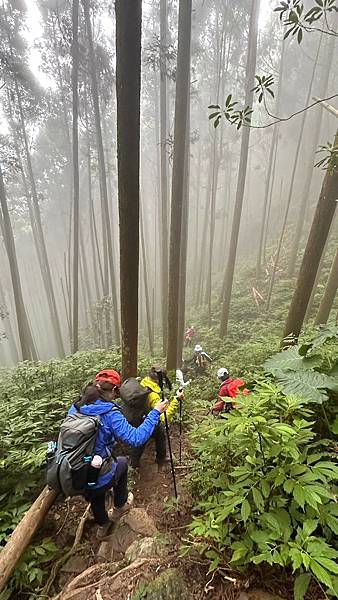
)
(229, 388)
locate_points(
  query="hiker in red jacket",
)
(228, 391)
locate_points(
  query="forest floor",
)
(153, 490)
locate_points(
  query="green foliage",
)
(296, 20)
(265, 489)
(299, 371)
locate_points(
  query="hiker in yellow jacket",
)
(152, 383)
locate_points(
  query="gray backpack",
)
(69, 468)
(134, 401)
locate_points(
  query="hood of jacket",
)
(99, 407)
(150, 383)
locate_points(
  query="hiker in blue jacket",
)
(98, 399)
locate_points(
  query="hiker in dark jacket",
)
(200, 359)
(98, 399)
(151, 383)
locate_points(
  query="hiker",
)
(153, 396)
(200, 359)
(189, 334)
(98, 399)
(228, 391)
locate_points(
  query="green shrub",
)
(265, 489)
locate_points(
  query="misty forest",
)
(168, 247)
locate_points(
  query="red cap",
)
(110, 376)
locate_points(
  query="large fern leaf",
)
(290, 359)
(309, 385)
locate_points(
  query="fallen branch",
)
(23, 534)
(59, 563)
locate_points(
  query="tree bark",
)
(329, 295)
(164, 167)
(128, 85)
(181, 111)
(184, 244)
(23, 534)
(76, 184)
(318, 234)
(102, 169)
(250, 75)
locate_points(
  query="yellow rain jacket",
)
(155, 396)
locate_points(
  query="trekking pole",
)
(180, 401)
(160, 381)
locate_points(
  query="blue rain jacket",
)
(114, 426)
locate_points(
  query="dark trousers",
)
(97, 496)
(159, 436)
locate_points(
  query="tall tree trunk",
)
(279, 247)
(164, 167)
(308, 169)
(39, 236)
(329, 294)
(196, 244)
(76, 190)
(202, 245)
(250, 75)
(128, 85)
(181, 111)
(318, 234)
(319, 270)
(146, 285)
(96, 257)
(184, 244)
(268, 212)
(102, 168)
(26, 342)
(269, 170)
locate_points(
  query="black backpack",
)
(68, 470)
(134, 401)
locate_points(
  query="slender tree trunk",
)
(329, 295)
(76, 190)
(270, 165)
(308, 170)
(268, 214)
(146, 285)
(250, 74)
(128, 84)
(96, 257)
(164, 166)
(203, 243)
(11, 338)
(181, 112)
(26, 342)
(102, 168)
(39, 236)
(318, 234)
(279, 247)
(196, 244)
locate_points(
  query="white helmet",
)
(222, 374)
(198, 348)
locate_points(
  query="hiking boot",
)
(116, 513)
(103, 531)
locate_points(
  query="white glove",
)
(180, 394)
